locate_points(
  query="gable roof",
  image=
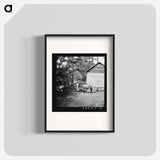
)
(94, 66)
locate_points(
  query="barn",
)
(95, 75)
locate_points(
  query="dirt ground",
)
(80, 99)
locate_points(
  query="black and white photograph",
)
(79, 82)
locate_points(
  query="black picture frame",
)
(113, 93)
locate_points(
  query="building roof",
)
(94, 66)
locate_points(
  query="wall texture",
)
(95, 79)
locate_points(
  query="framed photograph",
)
(79, 82)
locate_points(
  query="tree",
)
(70, 68)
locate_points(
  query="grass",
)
(80, 99)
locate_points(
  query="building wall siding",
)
(95, 79)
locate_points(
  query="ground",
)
(80, 99)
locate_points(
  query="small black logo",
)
(8, 8)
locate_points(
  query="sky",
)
(101, 59)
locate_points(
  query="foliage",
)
(71, 69)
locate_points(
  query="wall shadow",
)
(39, 85)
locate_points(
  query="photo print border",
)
(78, 109)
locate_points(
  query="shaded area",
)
(71, 98)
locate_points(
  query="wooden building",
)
(95, 75)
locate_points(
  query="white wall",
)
(95, 79)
